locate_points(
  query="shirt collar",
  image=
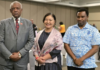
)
(15, 20)
(86, 26)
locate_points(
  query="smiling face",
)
(49, 22)
(16, 10)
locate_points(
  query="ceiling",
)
(73, 3)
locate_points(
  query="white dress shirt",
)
(15, 20)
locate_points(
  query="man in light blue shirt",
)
(81, 43)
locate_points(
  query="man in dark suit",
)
(34, 28)
(16, 39)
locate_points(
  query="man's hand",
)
(15, 56)
(78, 62)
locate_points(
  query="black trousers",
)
(62, 34)
(74, 68)
(99, 54)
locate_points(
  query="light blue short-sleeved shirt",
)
(81, 41)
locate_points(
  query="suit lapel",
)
(13, 26)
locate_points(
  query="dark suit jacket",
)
(34, 29)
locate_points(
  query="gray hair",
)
(15, 2)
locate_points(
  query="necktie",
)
(17, 26)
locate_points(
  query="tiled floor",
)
(64, 67)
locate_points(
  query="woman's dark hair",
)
(83, 9)
(54, 17)
(61, 23)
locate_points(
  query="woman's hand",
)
(40, 60)
(43, 58)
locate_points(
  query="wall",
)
(94, 17)
(36, 11)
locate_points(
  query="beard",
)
(81, 24)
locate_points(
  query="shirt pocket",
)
(88, 36)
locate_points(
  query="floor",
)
(64, 67)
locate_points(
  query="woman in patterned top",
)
(48, 46)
